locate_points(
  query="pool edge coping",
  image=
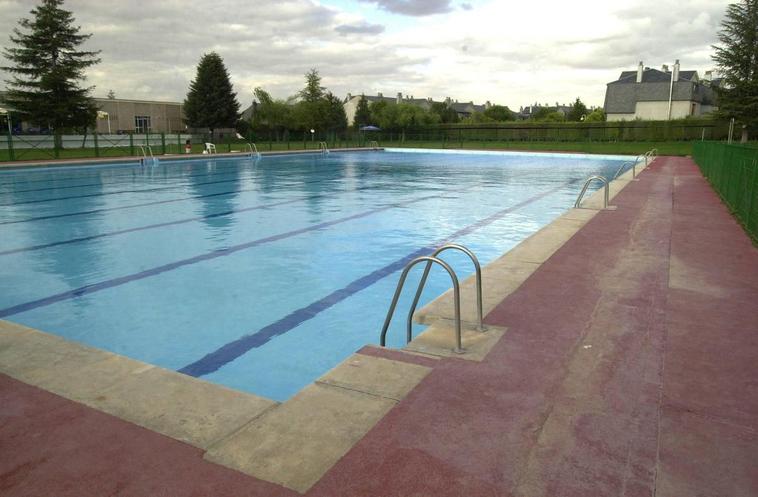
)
(131, 159)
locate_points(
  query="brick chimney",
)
(640, 68)
(399, 98)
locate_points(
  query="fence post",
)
(131, 143)
(56, 150)
(163, 142)
(97, 147)
(178, 143)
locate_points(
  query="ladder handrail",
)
(422, 283)
(633, 164)
(253, 149)
(373, 144)
(652, 153)
(144, 159)
(323, 147)
(456, 296)
(149, 149)
(587, 185)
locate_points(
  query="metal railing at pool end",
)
(633, 164)
(422, 283)
(373, 144)
(606, 187)
(253, 150)
(323, 147)
(145, 160)
(456, 298)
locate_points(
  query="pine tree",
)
(334, 113)
(737, 60)
(313, 90)
(211, 102)
(48, 66)
(362, 113)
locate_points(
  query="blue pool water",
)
(259, 275)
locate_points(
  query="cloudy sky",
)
(511, 52)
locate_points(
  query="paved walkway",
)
(629, 368)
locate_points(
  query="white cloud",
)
(512, 53)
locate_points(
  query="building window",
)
(141, 124)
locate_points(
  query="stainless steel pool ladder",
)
(430, 260)
(651, 154)
(632, 163)
(145, 149)
(606, 194)
(373, 144)
(253, 150)
(323, 148)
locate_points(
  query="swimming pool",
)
(259, 274)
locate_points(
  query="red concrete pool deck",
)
(630, 367)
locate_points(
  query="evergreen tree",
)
(211, 102)
(737, 60)
(48, 65)
(362, 113)
(313, 90)
(334, 113)
(578, 109)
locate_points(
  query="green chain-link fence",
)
(733, 172)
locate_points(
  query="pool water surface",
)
(259, 274)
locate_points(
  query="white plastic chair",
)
(210, 148)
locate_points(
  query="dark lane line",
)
(125, 179)
(183, 221)
(124, 169)
(145, 204)
(102, 194)
(232, 350)
(114, 282)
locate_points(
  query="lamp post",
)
(313, 131)
(101, 114)
(7, 113)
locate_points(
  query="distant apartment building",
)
(463, 109)
(653, 94)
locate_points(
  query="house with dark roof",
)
(664, 94)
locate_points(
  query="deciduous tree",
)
(578, 110)
(500, 113)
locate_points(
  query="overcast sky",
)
(511, 52)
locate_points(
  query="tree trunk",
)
(744, 134)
